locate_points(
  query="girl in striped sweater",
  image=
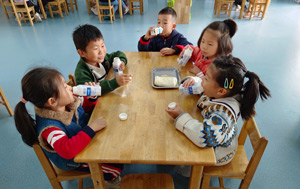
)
(60, 124)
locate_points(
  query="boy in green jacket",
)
(94, 63)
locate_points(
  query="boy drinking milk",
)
(169, 41)
(94, 63)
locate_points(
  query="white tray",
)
(169, 71)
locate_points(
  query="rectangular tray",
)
(169, 71)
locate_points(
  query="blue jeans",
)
(114, 3)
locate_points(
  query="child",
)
(169, 41)
(94, 62)
(225, 98)
(214, 41)
(60, 125)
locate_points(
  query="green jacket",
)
(83, 73)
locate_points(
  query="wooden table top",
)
(148, 136)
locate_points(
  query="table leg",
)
(120, 9)
(195, 178)
(42, 9)
(97, 175)
(242, 9)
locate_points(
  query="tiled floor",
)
(270, 47)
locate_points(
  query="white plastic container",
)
(194, 89)
(185, 57)
(156, 31)
(116, 66)
(87, 90)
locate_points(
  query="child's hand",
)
(98, 124)
(123, 79)
(148, 33)
(188, 82)
(167, 51)
(122, 66)
(194, 69)
(174, 113)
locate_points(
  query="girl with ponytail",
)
(230, 92)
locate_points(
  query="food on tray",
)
(165, 81)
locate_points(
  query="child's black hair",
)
(168, 11)
(227, 29)
(231, 73)
(38, 85)
(83, 34)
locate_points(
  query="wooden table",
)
(148, 136)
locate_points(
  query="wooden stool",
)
(223, 6)
(147, 181)
(5, 103)
(58, 4)
(6, 3)
(135, 7)
(27, 13)
(259, 6)
(72, 4)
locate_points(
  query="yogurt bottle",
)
(87, 90)
(185, 57)
(156, 31)
(194, 89)
(116, 66)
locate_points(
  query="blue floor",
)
(270, 47)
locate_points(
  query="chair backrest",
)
(72, 80)
(258, 143)
(23, 8)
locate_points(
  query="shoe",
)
(94, 10)
(38, 17)
(19, 15)
(183, 170)
(238, 8)
(247, 15)
(114, 184)
(126, 9)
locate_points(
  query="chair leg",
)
(72, 7)
(80, 183)
(66, 8)
(88, 6)
(219, 9)
(142, 6)
(130, 7)
(76, 4)
(50, 10)
(110, 15)
(230, 9)
(221, 182)
(205, 182)
(60, 11)
(11, 113)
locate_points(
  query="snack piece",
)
(165, 81)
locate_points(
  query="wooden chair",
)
(5, 4)
(72, 80)
(89, 5)
(240, 167)
(72, 4)
(4, 101)
(27, 13)
(258, 6)
(101, 9)
(56, 175)
(59, 5)
(147, 181)
(133, 6)
(223, 6)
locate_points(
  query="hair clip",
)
(226, 83)
(231, 84)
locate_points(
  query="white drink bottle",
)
(185, 57)
(87, 90)
(156, 31)
(194, 89)
(116, 66)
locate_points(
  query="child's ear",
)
(51, 103)
(174, 26)
(222, 91)
(80, 52)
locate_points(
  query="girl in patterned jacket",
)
(214, 41)
(60, 124)
(224, 100)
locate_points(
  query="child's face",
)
(209, 84)
(94, 52)
(166, 21)
(209, 43)
(65, 94)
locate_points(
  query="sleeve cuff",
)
(89, 131)
(178, 48)
(143, 41)
(181, 120)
